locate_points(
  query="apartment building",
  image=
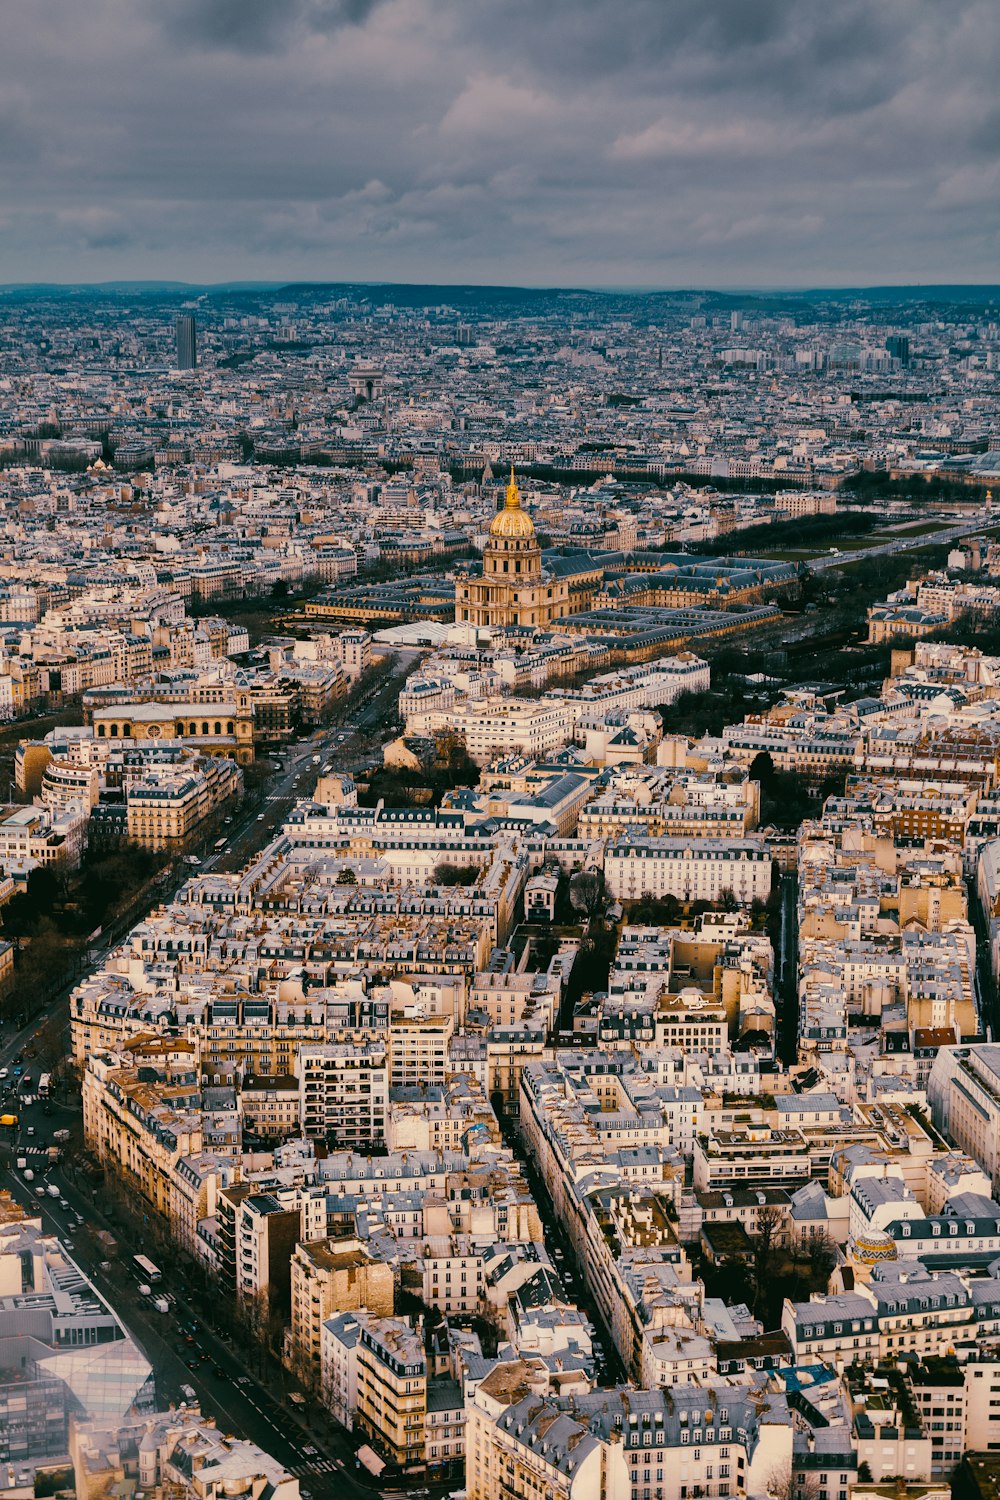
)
(621, 1445)
(392, 1391)
(257, 1233)
(167, 804)
(33, 836)
(963, 1091)
(178, 1453)
(328, 1277)
(344, 1093)
(142, 1114)
(692, 870)
(419, 1049)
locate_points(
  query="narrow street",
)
(786, 970)
(561, 1253)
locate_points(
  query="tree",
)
(663, 911)
(586, 893)
(762, 767)
(764, 1242)
(347, 876)
(449, 874)
(822, 1257)
(783, 1485)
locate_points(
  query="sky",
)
(655, 143)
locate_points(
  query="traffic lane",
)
(235, 1393)
(55, 1220)
(239, 1404)
(887, 549)
(261, 824)
(240, 850)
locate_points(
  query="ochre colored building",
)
(514, 588)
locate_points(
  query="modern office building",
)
(185, 332)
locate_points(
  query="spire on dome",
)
(513, 495)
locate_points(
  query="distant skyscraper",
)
(898, 345)
(187, 348)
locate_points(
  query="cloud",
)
(649, 141)
(253, 25)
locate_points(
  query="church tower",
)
(512, 551)
(514, 589)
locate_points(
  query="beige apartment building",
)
(142, 1114)
(419, 1048)
(344, 1093)
(330, 1276)
(165, 807)
(392, 1391)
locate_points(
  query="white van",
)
(29, 1175)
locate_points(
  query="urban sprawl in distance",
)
(499, 894)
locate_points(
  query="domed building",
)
(513, 588)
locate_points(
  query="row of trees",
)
(875, 484)
(804, 531)
(50, 921)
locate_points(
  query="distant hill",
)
(470, 297)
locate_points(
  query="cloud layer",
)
(572, 142)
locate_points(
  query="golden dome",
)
(512, 522)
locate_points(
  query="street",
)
(297, 777)
(189, 1345)
(184, 1350)
(837, 559)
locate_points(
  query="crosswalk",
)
(318, 1466)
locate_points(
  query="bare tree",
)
(586, 893)
(822, 1255)
(764, 1242)
(784, 1484)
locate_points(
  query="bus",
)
(145, 1270)
(44, 1085)
(219, 845)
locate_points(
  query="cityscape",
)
(500, 752)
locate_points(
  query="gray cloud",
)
(253, 25)
(649, 141)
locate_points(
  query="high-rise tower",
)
(187, 347)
